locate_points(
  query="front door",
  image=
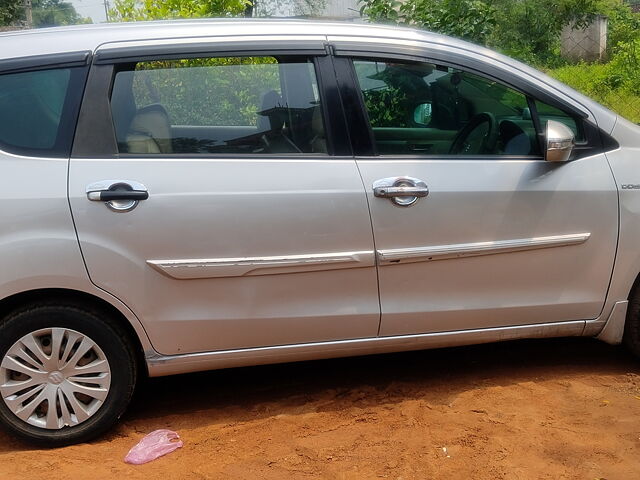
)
(222, 220)
(492, 235)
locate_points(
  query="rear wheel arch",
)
(75, 298)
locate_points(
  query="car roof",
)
(19, 44)
(89, 37)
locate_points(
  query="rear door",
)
(494, 236)
(214, 193)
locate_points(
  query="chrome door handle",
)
(118, 195)
(403, 191)
(389, 192)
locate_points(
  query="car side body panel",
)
(231, 251)
(476, 204)
(38, 240)
(205, 261)
(32, 265)
(625, 165)
(237, 220)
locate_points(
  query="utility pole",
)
(28, 13)
(106, 10)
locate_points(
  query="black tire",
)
(107, 336)
(631, 337)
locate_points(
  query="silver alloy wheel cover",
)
(54, 366)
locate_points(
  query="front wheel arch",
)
(631, 334)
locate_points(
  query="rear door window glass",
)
(222, 105)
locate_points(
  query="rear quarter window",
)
(38, 111)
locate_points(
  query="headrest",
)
(153, 121)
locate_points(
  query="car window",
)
(230, 105)
(32, 105)
(423, 108)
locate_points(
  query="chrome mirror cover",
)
(559, 142)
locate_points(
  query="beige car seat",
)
(150, 131)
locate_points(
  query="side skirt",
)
(160, 365)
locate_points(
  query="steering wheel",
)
(467, 143)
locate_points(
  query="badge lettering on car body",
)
(630, 186)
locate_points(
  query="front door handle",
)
(402, 191)
(118, 195)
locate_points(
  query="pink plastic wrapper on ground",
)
(152, 446)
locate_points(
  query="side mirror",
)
(559, 142)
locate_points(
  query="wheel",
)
(631, 336)
(66, 374)
(469, 142)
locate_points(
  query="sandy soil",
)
(561, 409)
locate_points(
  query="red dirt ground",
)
(557, 409)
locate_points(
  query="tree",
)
(530, 29)
(275, 8)
(132, 10)
(527, 29)
(472, 20)
(11, 11)
(48, 13)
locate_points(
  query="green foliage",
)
(530, 31)
(527, 29)
(383, 11)
(615, 84)
(626, 65)
(274, 8)
(603, 83)
(624, 27)
(10, 11)
(385, 108)
(468, 19)
(133, 10)
(48, 13)
(207, 91)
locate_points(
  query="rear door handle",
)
(390, 192)
(118, 195)
(108, 195)
(403, 191)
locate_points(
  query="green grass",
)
(600, 82)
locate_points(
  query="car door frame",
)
(596, 141)
(95, 134)
(96, 137)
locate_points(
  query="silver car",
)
(196, 195)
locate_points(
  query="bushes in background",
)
(530, 31)
(602, 83)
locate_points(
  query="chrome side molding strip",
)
(444, 252)
(243, 266)
(238, 267)
(160, 365)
